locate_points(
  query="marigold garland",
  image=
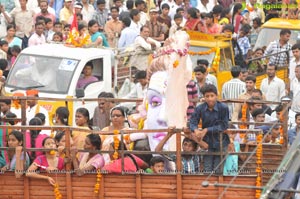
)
(202, 52)
(116, 144)
(76, 40)
(259, 138)
(52, 152)
(281, 119)
(98, 180)
(57, 192)
(175, 64)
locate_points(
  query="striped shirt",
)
(192, 93)
(189, 165)
(232, 90)
(282, 58)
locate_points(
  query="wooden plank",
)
(138, 190)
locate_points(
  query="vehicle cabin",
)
(55, 73)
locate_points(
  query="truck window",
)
(48, 74)
(194, 58)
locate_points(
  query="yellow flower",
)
(175, 64)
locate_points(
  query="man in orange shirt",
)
(113, 27)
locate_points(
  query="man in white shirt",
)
(87, 11)
(295, 94)
(135, 18)
(173, 8)
(38, 37)
(272, 87)
(205, 7)
(295, 61)
(31, 4)
(140, 6)
(34, 108)
(3, 21)
(143, 44)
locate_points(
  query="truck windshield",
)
(267, 35)
(49, 74)
(208, 57)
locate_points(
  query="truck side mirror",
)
(79, 92)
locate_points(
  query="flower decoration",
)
(281, 131)
(76, 40)
(180, 52)
(52, 152)
(175, 64)
(202, 52)
(98, 180)
(244, 116)
(116, 144)
(259, 139)
(57, 192)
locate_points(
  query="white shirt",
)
(35, 40)
(141, 42)
(135, 26)
(49, 9)
(292, 67)
(137, 92)
(31, 112)
(144, 18)
(173, 9)
(88, 13)
(274, 90)
(295, 87)
(31, 4)
(3, 25)
(204, 9)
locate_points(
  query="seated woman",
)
(132, 163)
(88, 76)
(47, 162)
(13, 160)
(60, 140)
(82, 118)
(88, 161)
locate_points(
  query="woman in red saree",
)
(193, 22)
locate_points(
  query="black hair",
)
(235, 71)
(155, 160)
(257, 112)
(178, 16)
(84, 112)
(34, 133)
(202, 61)
(257, 20)
(140, 74)
(59, 135)
(139, 2)
(143, 27)
(165, 6)
(209, 88)
(217, 9)
(57, 23)
(90, 63)
(285, 31)
(15, 48)
(195, 145)
(38, 24)
(209, 15)
(9, 116)
(297, 115)
(38, 18)
(41, 116)
(192, 12)
(109, 95)
(246, 28)
(278, 108)
(102, 94)
(45, 139)
(129, 4)
(296, 46)
(114, 8)
(225, 12)
(257, 91)
(67, 26)
(272, 64)
(200, 68)
(228, 27)
(9, 26)
(18, 135)
(92, 22)
(79, 15)
(58, 34)
(63, 114)
(251, 78)
(47, 20)
(101, 2)
(6, 101)
(121, 109)
(134, 12)
(179, 10)
(3, 42)
(95, 140)
(126, 21)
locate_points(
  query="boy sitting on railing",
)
(215, 117)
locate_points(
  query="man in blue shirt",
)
(213, 117)
(292, 133)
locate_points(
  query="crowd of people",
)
(146, 25)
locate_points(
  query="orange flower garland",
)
(259, 138)
(216, 60)
(76, 40)
(281, 119)
(57, 192)
(97, 185)
(244, 119)
(116, 144)
(203, 52)
(175, 64)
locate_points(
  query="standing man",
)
(157, 30)
(113, 27)
(38, 37)
(295, 61)
(3, 21)
(140, 6)
(272, 87)
(101, 14)
(66, 12)
(44, 11)
(23, 18)
(87, 11)
(276, 46)
(34, 108)
(295, 94)
(250, 86)
(233, 88)
(128, 34)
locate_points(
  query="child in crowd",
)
(225, 17)
(214, 117)
(61, 116)
(178, 20)
(82, 118)
(3, 49)
(60, 140)
(274, 136)
(48, 29)
(13, 160)
(4, 67)
(43, 119)
(15, 51)
(66, 31)
(190, 163)
(47, 162)
(88, 161)
(157, 165)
